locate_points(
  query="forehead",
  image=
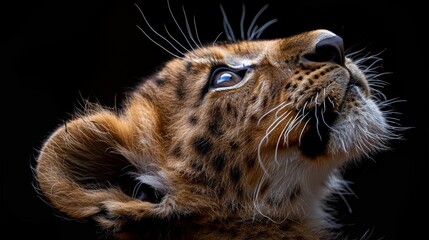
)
(232, 54)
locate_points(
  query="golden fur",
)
(187, 158)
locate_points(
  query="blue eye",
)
(225, 77)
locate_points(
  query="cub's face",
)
(296, 95)
(234, 130)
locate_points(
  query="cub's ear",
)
(105, 166)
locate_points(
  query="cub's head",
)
(235, 131)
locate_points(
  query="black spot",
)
(180, 92)
(285, 227)
(216, 113)
(253, 99)
(297, 59)
(200, 179)
(205, 90)
(265, 187)
(145, 95)
(211, 182)
(105, 213)
(250, 162)
(316, 76)
(265, 102)
(218, 162)
(254, 118)
(214, 127)
(300, 78)
(159, 81)
(235, 174)
(234, 145)
(239, 192)
(177, 150)
(188, 66)
(193, 120)
(294, 86)
(197, 166)
(228, 108)
(296, 191)
(231, 206)
(355, 103)
(216, 120)
(220, 191)
(202, 145)
(287, 85)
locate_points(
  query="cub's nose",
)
(329, 49)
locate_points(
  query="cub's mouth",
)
(321, 123)
(317, 133)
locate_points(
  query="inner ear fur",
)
(90, 165)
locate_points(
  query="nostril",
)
(328, 50)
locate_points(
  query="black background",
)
(57, 53)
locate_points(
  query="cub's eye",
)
(223, 77)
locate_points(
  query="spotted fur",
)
(253, 156)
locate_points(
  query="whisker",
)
(351, 54)
(175, 40)
(228, 29)
(276, 122)
(302, 131)
(196, 33)
(258, 32)
(282, 133)
(277, 112)
(177, 24)
(242, 22)
(277, 146)
(159, 35)
(295, 122)
(217, 37)
(136, 189)
(159, 45)
(250, 30)
(256, 198)
(281, 106)
(189, 28)
(269, 130)
(375, 76)
(378, 92)
(327, 125)
(317, 122)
